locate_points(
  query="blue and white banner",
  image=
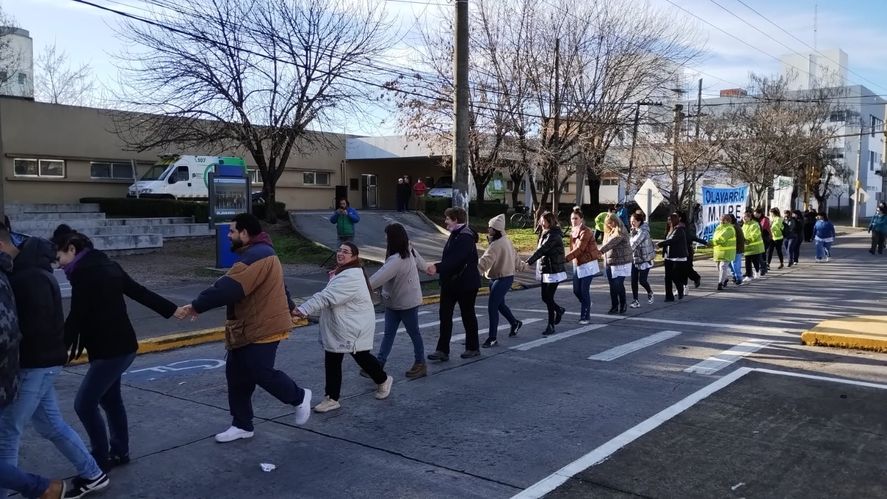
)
(716, 201)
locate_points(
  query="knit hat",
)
(498, 223)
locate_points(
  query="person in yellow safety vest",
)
(599, 223)
(724, 241)
(754, 246)
(776, 230)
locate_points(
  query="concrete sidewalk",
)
(862, 332)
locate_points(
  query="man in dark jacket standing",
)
(459, 282)
(42, 355)
(259, 317)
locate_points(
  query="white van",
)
(178, 177)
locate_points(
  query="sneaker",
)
(231, 434)
(756, 275)
(419, 370)
(115, 460)
(559, 314)
(720, 286)
(82, 486)
(491, 342)
(635, 304)
(780, 266)
(467, 354)
(828, 259)
(383, 390)
(697, 282)
(650, 299)
(56, 490)
(613, 310)
(584, 321)
(514, 328)
(668, 300)
(303, 410)
(327, 405)
(438, 355)
(818, 260)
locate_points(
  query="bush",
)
(148, 208)
(436, 206)
(487, 209)
(260, 210)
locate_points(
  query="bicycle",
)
(522, 218)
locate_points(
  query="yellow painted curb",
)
(863, 332)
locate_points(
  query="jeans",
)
(582, 290)
(36, 402)
(332, 363)
(448, 300)
(617, 290)
(410, 319)
(737, 267)
(253, 365)
(823, 249)
(26, 484)
(793, 248)
(496, 305)
(639, 276)
(101, 385)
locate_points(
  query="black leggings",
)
(548, 290)
(776, 245)
(639, 276)
(752, 261)
(332, 361)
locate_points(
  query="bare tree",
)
(249, 75)
(10, 58)
(60, 82)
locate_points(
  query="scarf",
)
(69, 268)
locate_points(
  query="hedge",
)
(149, 208)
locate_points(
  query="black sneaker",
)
(82, 486)
(491, 342)
(559, 314)
(514, 328)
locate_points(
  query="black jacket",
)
(550, 251)
(675, 244)
(458, 264)
(98, 319)
(10, 336)
(39, 303)
(789, 228)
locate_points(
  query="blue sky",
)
(856, 26)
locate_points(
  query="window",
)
(836, 116)
(108, 169)
(872, 161)
(609, 181)
(316, 178)
(24, 167)
(255, 176)
(877, 125)
(22, 77)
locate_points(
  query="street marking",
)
(634, 346)
(183, 365)
(504, 327)
(422, 312)
(601, 453)
(538, 311)
(716, 363)
(523, 347)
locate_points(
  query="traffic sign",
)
(863, 197)
(648, 197)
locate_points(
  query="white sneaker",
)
(327, 405)
(756, 275)
(231, 434)
(635, 304)
(828, 259)
(650, 299)
(584, 321)
(303, 410)
(384, 390)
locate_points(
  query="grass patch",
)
(294, 248)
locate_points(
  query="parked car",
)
(443, 188)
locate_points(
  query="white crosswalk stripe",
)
(715, 363)
(634, 346)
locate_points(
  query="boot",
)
(549, 330)
(419, 370)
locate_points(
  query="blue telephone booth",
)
(229, 195)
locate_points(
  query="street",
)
(701, 396)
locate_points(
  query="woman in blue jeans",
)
(584, 254)
(498, 264)
(402, 295)
(98, 322)
(30, 485)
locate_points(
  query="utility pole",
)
(557, 118)
(634, 138)
(856, 182)
(461, 193)
(676, 133)
(698, 116)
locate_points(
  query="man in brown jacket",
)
(259, 316)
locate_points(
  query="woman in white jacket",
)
(402, 295)
(347, 325)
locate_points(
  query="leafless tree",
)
(249, 75)
(60, 82)
(10, 58)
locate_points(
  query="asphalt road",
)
(677, 400)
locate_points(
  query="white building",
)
(825, 68)
(16, 63)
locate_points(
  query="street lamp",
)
(634, 137)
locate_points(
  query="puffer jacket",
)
(10, 336)
(550, 251)
(617, 249)
(347, 317)
(675, 244)
(789, 228)
(642, 244)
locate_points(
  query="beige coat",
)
(399, 280)
(500, 260)
(347, 316)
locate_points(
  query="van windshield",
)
(156, 172)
